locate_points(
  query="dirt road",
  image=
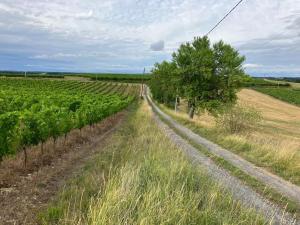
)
(239, 190)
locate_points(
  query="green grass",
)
(261, 156)
(260, 82)
(290, 206)
(142, 178)
(243, 149)
(290, 95)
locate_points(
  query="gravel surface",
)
(239, 190)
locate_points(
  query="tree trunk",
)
(66, 135)
(54, 143)
(176, 104)
(189, 106)
(25, 156)
(42, 148)
(192, 112)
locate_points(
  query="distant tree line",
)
(127, 78)
(253, 82)
(206, 75)
(117, 77)
(287, 79)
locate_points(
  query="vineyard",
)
(116, 77)
(130, 78)
(32, 111)
(290, 95)
(260, 82)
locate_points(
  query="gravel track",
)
(277, 183)
(239, 190)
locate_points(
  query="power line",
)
(225, 17)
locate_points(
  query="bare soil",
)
(24, 192)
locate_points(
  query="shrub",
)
(238, 119)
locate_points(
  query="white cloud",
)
(85, 16)
(119, 32)
(252, 65)
(57, 56)
(31, 65)
(5, 8)
(157, 46)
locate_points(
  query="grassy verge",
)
(142, 178)
(266, 191)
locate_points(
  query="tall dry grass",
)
(273, 144)
(142, 178)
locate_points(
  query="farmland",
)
(33, 111)
(145, 175)
(36, 111)
(290, 95)
(129, 78)
(66, 122)
(203, 79)
(149, 112)
(260, 82)
(264, 146)
(284, 89)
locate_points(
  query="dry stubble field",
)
(274, 144)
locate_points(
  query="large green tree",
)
(206, 75)
(164, 85)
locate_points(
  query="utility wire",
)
(225, 17)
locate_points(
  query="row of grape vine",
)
(32, 111)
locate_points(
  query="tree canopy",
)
(205, 74)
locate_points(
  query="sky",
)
(125, 36)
